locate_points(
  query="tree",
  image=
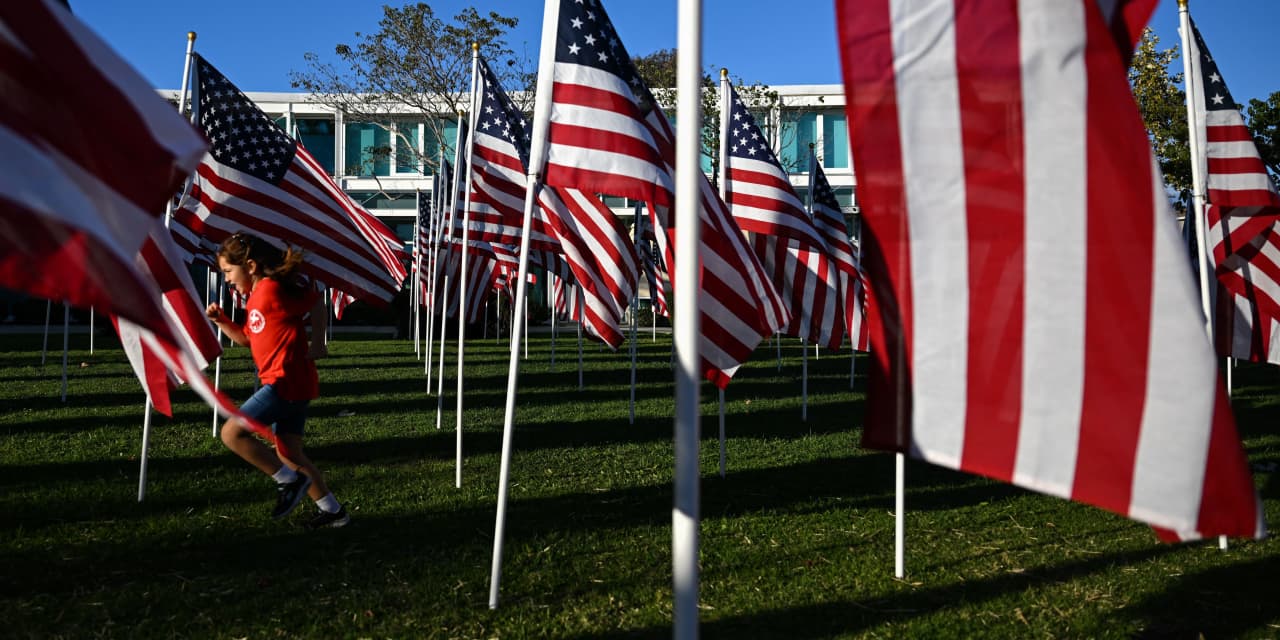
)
(414, 62)
(658, 70)
(1164, 110)
(1264, 123)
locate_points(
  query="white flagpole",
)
(91, 339)
(551, 280)
(497, 320)
(446, 241)
(899, 516)
(635, 321)
(417, 271)
(217, 362)
(462, 267)
(685, 514)
(577, 296)
(1191, 74)
(723, 180)
(804, 382)
(66, 334)
(485, 322)
(44, 349)
(853, 340)
(146, 441)
(777, 342)
(526, 328)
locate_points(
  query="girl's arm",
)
(233, 330)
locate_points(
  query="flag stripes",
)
(1006, 344)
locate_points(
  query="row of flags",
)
(1022, 294)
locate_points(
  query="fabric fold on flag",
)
(256, 178)
(1004, 172)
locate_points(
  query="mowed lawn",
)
(797, 538)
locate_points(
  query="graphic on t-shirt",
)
(256, 321)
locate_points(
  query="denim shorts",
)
(267, 407)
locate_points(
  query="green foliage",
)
(796, 539)
(415, 62)
(1164, 109)
(1264, 122)
(658, 70)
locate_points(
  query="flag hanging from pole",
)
(1004, 172)
(844, 251)
(607, 134)
(256, 178)
(1242, 213)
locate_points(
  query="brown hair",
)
(281, 266)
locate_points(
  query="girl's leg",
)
(243, 443)
(297, 459)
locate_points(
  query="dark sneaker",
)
(326, 519)
(289, 494)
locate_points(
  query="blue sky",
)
(258, 43)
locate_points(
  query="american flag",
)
(766, 206)
(162, 263)
(576, 224)
(339, 301)
(78, 198)
(256, 178)
(608, 135)
(829, 220)
(1004, 173)
(651, 262)
(1242, 215)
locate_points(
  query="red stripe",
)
(1248, 165)
(1228, 503)
(989, 74)
(866, 51)
(1236, 198)
(61, 100)
(1117, 310)
(587, 137)
(611, 183)
(1228, 133)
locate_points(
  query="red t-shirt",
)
(278, 339)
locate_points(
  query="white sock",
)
(328, 503)
(285, 475)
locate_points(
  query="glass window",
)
(368, 149)
(615, 202)
(799, 129)
(835, 140)
(380, 202)
(434, 146)
(318, 136)
(408, 143)
(844, 195)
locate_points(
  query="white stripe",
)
(1173, 445)
(924, 45)
(70, 195)
(1239, 182)
(168, 129)
(1056, 210)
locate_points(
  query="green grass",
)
(797, 539)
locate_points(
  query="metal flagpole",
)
(66, 334)
(526, 328)
(551, 289)
(91, 331)
(723, 188)
(635, 321)
(537, 160)
(44, 349)
(777, 342)
(415, 295)
(447, 241)
(853, 339)
(1191, 74)
(577, 296)
(899, 516)
(485, 322)
(146, 441)
(685, 513)
(804, 382)
(462, 275)
(217, 362)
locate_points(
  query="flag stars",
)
(1217, 99)
(574, 48)
(1215, 78)
(590, 39)
(577, 24)
(603, 56)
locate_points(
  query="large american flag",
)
(844, 252)
(578, 225)
(1004, 174)
(608, 135)
(163, 264)
(256, 178)
(77, 198)
(766, 206)
(1242, 212)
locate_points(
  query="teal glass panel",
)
(407, 141)
(368, 149)
(318, 135)
(835, 140)
(799, 129)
